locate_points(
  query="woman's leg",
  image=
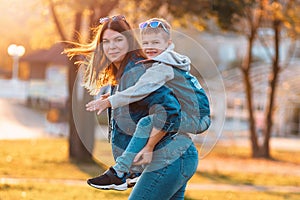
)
(179, 195)
(169, 181)
(136, 144)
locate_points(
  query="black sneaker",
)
(132, 179)
(109, 181)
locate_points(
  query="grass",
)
(228, 195)
(65, 192)
(231, 178)
(48, 159)
(57, 192)
(244, 153)
(42, 159)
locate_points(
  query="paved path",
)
(18, 121)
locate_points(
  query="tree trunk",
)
(82, 123)
(81, 137)
(56, 21)
(77, 149)
(272, 88)
(248, 87)
(81, 133)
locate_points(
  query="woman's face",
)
(115, 46)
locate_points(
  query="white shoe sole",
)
(121, 187)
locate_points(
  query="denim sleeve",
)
(165, 109)
(161, 103)
(153, 78)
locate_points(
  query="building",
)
(47, 76)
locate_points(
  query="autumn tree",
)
(282, 15)
(243, 17)
(246, 17)
(81, 138)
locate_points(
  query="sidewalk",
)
(20, 122)
(27, 123)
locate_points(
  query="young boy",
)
(170, 69)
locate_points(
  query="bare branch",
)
(56, 21)
(266, 46)
(291, 54)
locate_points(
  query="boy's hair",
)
(164, 28)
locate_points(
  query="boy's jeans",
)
(138, 141)
(141, 135)
(175, 160)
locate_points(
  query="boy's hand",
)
(144, 156)
(99, 104)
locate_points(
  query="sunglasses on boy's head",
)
(153, 24)
(114, 18)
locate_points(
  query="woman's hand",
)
(104, 96)
(144, 156)
(100, 104)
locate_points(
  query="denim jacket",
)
(162, 104)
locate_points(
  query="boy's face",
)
(154, 44)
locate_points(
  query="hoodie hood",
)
(170, 57)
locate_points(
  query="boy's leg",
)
(138, 141)
(194, 124)
(115, 177)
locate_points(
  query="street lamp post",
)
(15, 52)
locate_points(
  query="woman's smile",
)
(113, 54)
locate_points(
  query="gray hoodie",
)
(155, 76)
(170, 57)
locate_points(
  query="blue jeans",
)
(175, 160)
(136, 144)
(139, 140)
(120, 142)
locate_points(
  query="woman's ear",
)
(170, 42)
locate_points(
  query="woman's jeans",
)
(175, 160)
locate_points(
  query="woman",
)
(112, 58)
